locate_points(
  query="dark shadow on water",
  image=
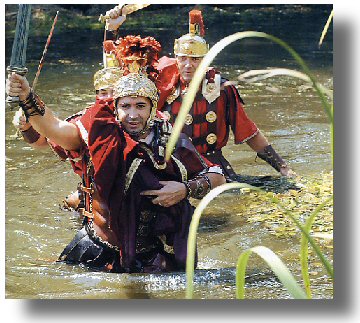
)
(276, 184)
(213, 223)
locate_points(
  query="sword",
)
(18, 54)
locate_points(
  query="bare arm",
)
(258, 142)
(63, 133)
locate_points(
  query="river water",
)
(286, 110)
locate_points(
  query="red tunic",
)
(228, 107)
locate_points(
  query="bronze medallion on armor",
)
(188, 119)
(211, 116)
(211, 138)
(210, 87)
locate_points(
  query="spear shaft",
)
(41, 63)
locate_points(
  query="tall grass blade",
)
(191, 245)
(259, 75)
(304, 254)
(329, 268)
(277, 266)
(326, 27)
(205, 63)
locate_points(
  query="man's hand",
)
(171, 193)
(287, 171)
(17, 85)
(19, 121)
(116, 19)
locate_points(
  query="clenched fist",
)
(17, 85)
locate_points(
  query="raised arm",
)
(41, 117)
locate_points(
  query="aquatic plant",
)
(270, 258)
(326, 28)
(304, 255)
(277, 266)
(191, 244)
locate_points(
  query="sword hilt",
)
(13, 101)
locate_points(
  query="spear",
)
(41, 63)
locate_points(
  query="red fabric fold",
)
(108, 146)
(169, 76)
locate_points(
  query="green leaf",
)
(191, 245)
(277, 266)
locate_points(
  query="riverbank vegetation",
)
(85, 17)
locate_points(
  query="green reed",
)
(273, 261)
(269, 257)
(326, 28)
(191, 244)
(277, 266)
(304, 255)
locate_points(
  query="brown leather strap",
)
(30, 135)
(272, 158)
(83, 212)
(88, 190)
(198, 187)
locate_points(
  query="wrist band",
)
(272, 158)
(198, 187)
(32, 105)
(30, 135)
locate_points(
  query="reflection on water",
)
(287, 111)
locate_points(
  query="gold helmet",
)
(192, 44)
(137, 57)
(138, 84)
(107, 77)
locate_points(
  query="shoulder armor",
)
(173, 95)
(211, 86)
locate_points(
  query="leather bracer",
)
(272, 158)
(32, 106)
(198, 187)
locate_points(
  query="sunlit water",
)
(286, 110)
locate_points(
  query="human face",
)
(133, 113)
(105, 93)
(187, 66)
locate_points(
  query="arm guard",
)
(30, 135)
(272, 158)
(111, 35)
(32, 106)
(198, 187)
